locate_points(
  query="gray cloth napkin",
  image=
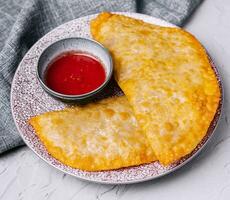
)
(22, 23)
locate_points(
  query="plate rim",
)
(216, 118)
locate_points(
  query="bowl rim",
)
(79, 96)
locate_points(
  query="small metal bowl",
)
(81, 45)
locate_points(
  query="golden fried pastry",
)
(97, 136)
(168, 80)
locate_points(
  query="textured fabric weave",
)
(24, 22)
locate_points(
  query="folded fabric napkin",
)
(24, 22)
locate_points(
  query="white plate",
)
(29, 99)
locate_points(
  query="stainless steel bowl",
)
(79, 45)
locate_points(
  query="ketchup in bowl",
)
(75, 73)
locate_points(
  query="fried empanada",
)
(167, 78)
(98, 136)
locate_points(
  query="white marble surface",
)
(24, 176)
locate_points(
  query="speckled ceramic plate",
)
(29, 99)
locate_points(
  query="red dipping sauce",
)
(75, 73)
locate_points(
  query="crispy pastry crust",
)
(98, 136)
(168, 80)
